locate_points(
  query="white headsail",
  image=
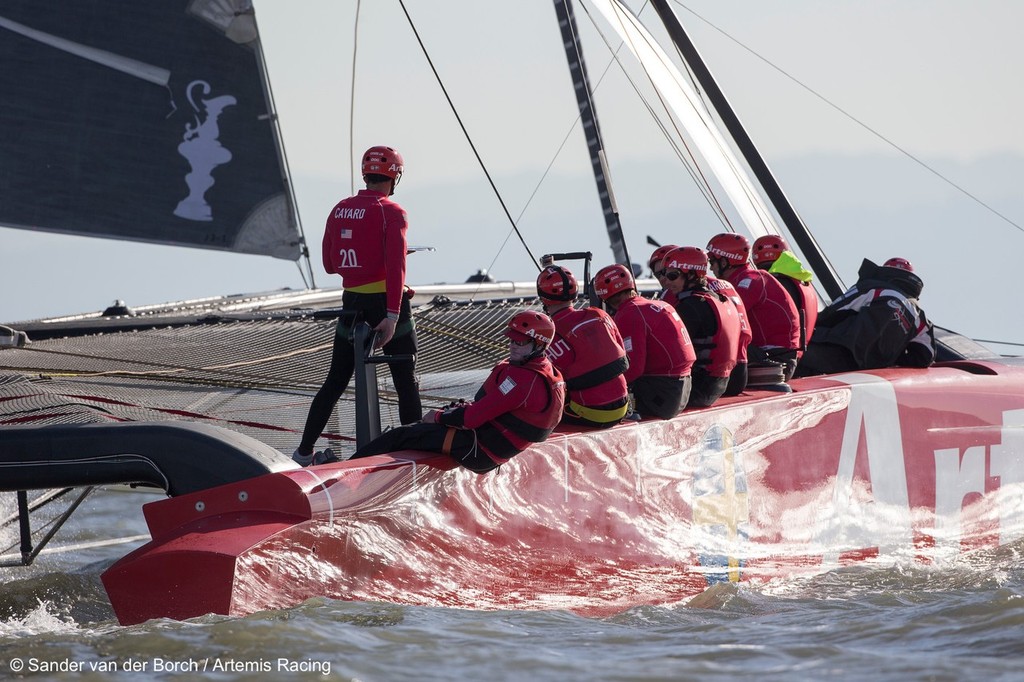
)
(686, 106)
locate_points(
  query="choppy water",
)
(895, 623)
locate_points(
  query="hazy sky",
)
(942, 79)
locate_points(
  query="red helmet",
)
(768, 248)
(687, 258)
(383, 161)
(734, 248)
(529, 325)
(659, 255)
(556, 283)
(901, 263)
(612, 279)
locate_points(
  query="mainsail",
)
(144, 121)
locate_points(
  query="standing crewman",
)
(774, 321)
(588, 350)
(520, 403)
(657, 345)
(711, 320)
(772, 253)
(365, 243)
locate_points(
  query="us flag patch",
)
(507, 385)
(346, 234)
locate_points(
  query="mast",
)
(588, 117)
(804, 239)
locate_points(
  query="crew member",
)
(772, 253)
(657, 345)
(774, 321)
(876, 323)
(589, 352)
(711, 320)
(364, 242)
(655, 263)
(520, 403)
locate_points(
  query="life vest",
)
(588, 350)
(806, 300)
(512, 431)
(725, 287)
(771, 312)
(716, 349)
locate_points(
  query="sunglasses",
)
(658, 274)
(521, 343)
(673, 275)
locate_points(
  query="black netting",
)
(256, 374)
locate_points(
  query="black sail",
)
(141, 121)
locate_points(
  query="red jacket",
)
(655, 339)
(364, 242)
(516, 405)
(589, 352)
(771, 312)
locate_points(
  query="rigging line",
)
(754, 200)
(690, 169)
(551, 163)
(711, 111)
(465, 132)
(352, 106)
(536, 188)
(688, 159)
(1001, 343)
(694, 171)
(302, 274)
(851, 117)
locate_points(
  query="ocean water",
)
(964, 622)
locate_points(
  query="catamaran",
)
(201, 399)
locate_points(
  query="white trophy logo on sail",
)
(202, 148)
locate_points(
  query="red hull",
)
(890, 465)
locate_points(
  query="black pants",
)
(737, 381)
(825, 358)
(706, 389)
(460, 444)
(661, 397)
(371, 308)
